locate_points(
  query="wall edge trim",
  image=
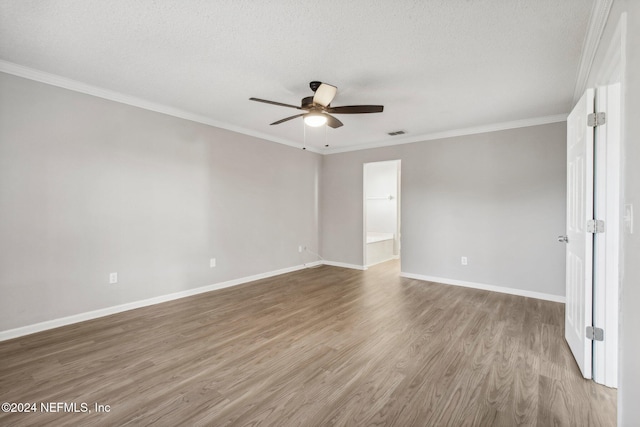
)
(107, 311)
(344, 265)
(486, 287)
(77, 86)
(597, 21)
(88, 89)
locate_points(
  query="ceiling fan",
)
(318, 107)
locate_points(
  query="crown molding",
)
(597, 21)
(456, 132)
(74, 85)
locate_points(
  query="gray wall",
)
(629, 338)
(89, 186)
(497, 198)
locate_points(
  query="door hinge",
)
(596, 119)
(595, 226)
(595, 334)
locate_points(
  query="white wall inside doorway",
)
(381, 211)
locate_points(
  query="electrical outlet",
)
(113, 278)
(212, 262)
(300, 249)
(463, 260)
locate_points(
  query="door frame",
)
(606, 245)
(608, 206)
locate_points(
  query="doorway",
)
(381, 211)
(600, 318)
(593, 232)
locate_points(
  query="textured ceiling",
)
(435, 65)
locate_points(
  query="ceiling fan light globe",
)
(315, 120)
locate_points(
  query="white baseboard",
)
(485, 287)
(344, 265)
(384, 260)
(312, 264)
(81, 317)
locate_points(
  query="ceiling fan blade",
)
(324, 94)
(333, 122)
(275, 103)
(287, 119)
(356, 109)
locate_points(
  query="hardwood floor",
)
(323, 346)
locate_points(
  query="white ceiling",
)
(435, 65)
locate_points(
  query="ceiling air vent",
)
(398, 132)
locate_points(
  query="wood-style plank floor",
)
(322, 346)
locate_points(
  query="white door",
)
(578, 307)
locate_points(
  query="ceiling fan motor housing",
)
(307, 103)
